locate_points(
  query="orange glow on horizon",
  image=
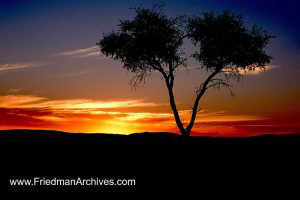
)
(89, 116)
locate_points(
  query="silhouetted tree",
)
(152, 42)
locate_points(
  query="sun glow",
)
(114, 128)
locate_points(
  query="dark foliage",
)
(150, 41)
(224, 41)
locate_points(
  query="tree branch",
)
(203, 87)
(217, 83)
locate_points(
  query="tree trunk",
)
(194, 113)
(175, 111)
(186, 132)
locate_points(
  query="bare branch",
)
(138, 79)
(217, 83)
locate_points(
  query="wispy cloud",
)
(19, 101)
(82, 53)
(258, 70)
(17, 66)
(29, 101)
(71, 74)
(14, 90)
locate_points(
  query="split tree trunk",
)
(186, 132)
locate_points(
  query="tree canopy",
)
(151, 41)
(225, 41)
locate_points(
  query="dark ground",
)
(164, 165)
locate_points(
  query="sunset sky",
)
(52, 75)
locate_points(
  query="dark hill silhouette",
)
(164, 165)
